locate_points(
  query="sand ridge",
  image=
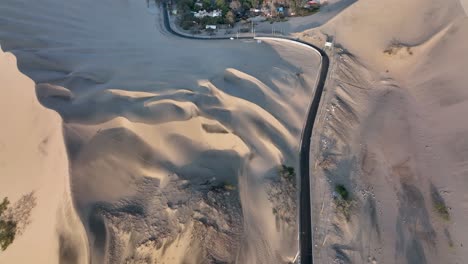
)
(172, 143)
(35, 176)
(389, 123)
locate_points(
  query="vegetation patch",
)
(342, 191)
(442, 210)
(223, 187)
(229, 187)
(14, 219)
(343, 201)
(287, 173)
(282, 194)
(195, 15)
(439, 205)
(301, 11)
(7, 226)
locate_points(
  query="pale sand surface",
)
(393, 130)
(172, 143)
(154, 123)
(34, 166)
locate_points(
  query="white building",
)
(204, 13)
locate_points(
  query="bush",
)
(7, 233)
(287, 173)
(7, 227)
(342, 191)
(343, 202)
(4, 205)
(442, 210)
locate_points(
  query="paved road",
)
(305, 210)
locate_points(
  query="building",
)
(204, 13)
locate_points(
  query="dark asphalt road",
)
(305, 210)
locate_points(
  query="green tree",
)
(206, 4)
(185, 6)
(220, 3)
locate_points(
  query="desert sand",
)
(166, 150)
(172, 145)
(35, 176)
(393, 132)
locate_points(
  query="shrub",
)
(287, 173)
(7, 227)
(4, 205)
(7, 233)
(343, 202)
(442, 210)
(342, 191)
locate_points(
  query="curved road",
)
(305, 210)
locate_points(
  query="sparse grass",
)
(229, 187)
(344, 207)
(224, 186)
(442, 210)
(438, 204)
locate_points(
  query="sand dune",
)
(35, 177)
(390, 125)
(173, 144)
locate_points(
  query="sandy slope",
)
(394, 134)
(35, 178)
(174, 144)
